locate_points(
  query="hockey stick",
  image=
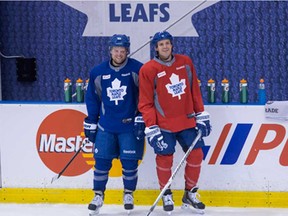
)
(74, 156)
(168, 184)
(197, 6)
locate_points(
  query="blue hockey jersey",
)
(112, 95)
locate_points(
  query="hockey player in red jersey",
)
(171, 104)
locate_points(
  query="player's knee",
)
(164, 161)
(103, 164)
(195, 157)
(129, 164)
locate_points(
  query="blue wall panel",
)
(236, 40)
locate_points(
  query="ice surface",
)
(81, 210)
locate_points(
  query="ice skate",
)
(96, 204)
(128, 201)
(190, 198)
(168, 203)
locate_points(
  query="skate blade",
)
(188, 207)
(128, 210)
(93, 213)
(185, 206)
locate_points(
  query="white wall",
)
(261, 165)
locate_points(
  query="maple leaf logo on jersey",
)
(177, 87)
(117, 92)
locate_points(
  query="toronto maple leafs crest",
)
(177, 87)
(117, 92)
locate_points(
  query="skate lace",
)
(128, 198)
(194, 197)
(97, 200)
(167, 199)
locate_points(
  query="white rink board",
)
(21, 165)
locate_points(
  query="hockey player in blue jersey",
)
(113, 123)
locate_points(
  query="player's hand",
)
(139, 127)
(203, 123)
(90, 129)
(155, 138)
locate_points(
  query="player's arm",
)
(146, 96)
(196, 92)
(92, 99)
(202, 117)
(147, 108)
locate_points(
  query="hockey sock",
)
(164, 164)
(192, 168)
(102, 167)
(129, 173)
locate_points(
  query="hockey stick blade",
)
(168, 184)
(55, 178)
(74, 156)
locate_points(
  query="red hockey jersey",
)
(169, 93)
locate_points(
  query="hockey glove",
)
(90, 129)
(203, 123)
(155, 138)
(139, 127)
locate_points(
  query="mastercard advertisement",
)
(59, 136)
